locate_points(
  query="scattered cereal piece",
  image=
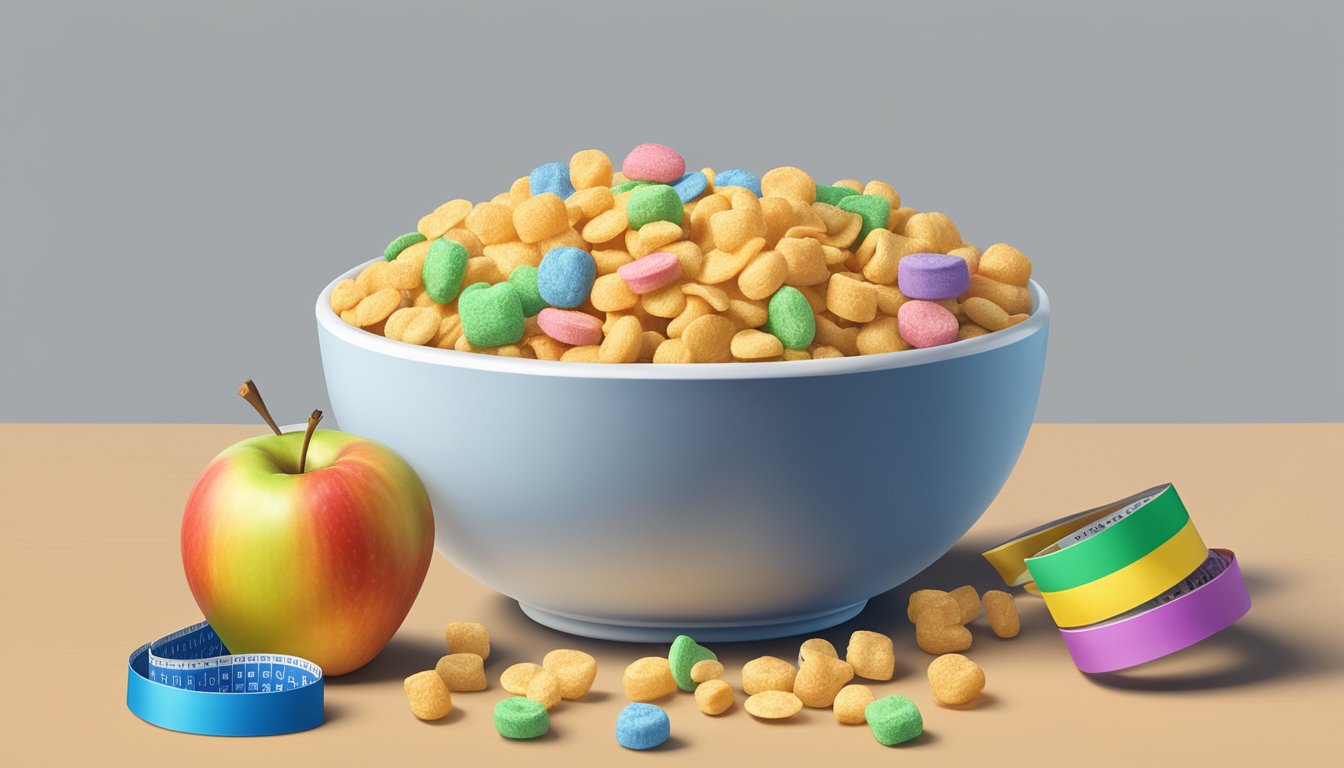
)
(968, 603)
(648, 679)
(925, 599)
(445, 266)
(851, 702)
(925, 324)
(791, 319)
(773, 705)
(575, 671)
(894, 720)
(565, 277)
(706, 669)
(521, 718)
(551, 177)
(684, 654)
(932, 276)
(654, 162)
(428, 695)
(820, 678)
(462, 672)
(714, 696)
(653, 202)
(642, 726)
(468, 637)
(400, 244)
(955, 679)
(1001, 610)
(544, 688)
(737, 177)
(515, 678)
(938, 639)
(816, 646)
(872, 654)
(767, 673)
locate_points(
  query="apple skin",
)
(323, 565)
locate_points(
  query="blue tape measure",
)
(188, 681)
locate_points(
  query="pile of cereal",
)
(654, 264)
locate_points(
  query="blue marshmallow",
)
(642, 726)
(690, 186)
(736, 177)
(551, 177)
(566, 276)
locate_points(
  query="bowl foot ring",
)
(715, 632)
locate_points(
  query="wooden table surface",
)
(91, 569)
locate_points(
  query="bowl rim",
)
(329, 321)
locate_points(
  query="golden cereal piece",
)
(790, 182)
(831, 334)
(540, 217)
(884, 189)
(763, 275)
(823, 352)
(796, 354)
(934, 228)
(546, 348)
(773, 705)
(492, 223)
(654, 235)
(706, 669)
(585, 354)
(590, 168)
(936, 638)
(520, 189)
(872, 655)
(377, 307)
(709, 339)
(422, 327)
(370, 279)
(767, 673)
(922, 600)
(649, 341)
(515, 678)
(622, 342)
(713, 697)
(985, 313)
(544, 688)
(897, 221)
(510, 256)
(955, 679)
(481, 269)
(704, 210)
(462, 672)
(398, 321)
(713, 295)
(666, 302)
(590, 202)
(611, 294)
(428, 695)
(820, 678)
(880, 336)
(648, 679)
(671, 351)
(691, 257)
(696, 308)
(732, 229)
(850, 703)
(432, 225)
(804, 260)
(747, 313)
(751, 344)
(608, 261)
(968, 603)
(346, 295)
(889, 299)
(1005, 264)
(853, 184)
(467, 637)
(969, 254)
(779, 215)
(1001, 610)
(721, 266)
(402, 275)
(467, 239)
(854, 300)
(842, 227)
(575, 671)
(970, 331)
(1013, 299)
(568, 238)
(816, 646)
(450, 330)
(607, 225)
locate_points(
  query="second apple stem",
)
(308, 436)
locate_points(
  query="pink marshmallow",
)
(926, 324)
(654, 162)
(570, 326)
(651, 272)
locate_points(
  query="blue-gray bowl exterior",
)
(634, 508)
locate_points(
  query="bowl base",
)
(715, 632)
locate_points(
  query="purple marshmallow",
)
(932, 276)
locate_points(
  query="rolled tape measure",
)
(1127, 582)
(188, 681)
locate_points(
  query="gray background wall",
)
(180, 179)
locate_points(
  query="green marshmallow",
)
(627, 186)
(402, 243)
(875, 210)
(833, 195)
(492, 315)
(683, 655)
(653, 202)
(445, 266)
(524, 280)
(519, 717)
(893, 720)
(790, 318)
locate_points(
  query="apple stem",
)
(252, 395)
(307, 436)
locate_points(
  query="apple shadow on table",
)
(403, 656)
